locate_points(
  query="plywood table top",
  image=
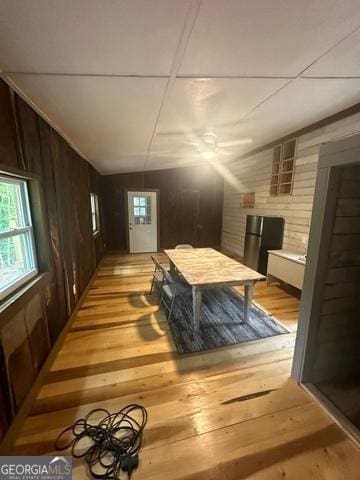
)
(206, 266)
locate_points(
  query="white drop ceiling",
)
(132, 84)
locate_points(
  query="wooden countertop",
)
(205, 266)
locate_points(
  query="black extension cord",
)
(115, 441)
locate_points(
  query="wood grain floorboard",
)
(226, 414)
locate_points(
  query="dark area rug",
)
(221, 323)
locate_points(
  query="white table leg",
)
(249, 289)
(196, 307)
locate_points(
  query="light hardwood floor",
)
(228, 414)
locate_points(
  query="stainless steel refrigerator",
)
(262, 234)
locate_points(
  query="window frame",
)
(27, 229)
(97, 229)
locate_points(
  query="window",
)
(283, 168)
(142, 210)
(95, 218)
(17, 249)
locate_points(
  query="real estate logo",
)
(35, 468)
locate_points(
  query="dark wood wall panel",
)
(18, 358)
(37, 330)
(27, 121)
(83, 232)
(95, 187)
(35, 148)
(55, 297)
(190, 205)
(113, 197)
(8, 149)
(4, 419)
(66, 209)
(59, 189)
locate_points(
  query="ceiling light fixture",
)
(210, 144)
(208, 154)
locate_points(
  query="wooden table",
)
(205, 268)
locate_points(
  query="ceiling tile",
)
(86, 36)
(302, 102)
(114, 164)
(109, 119)
(183, 160)
(266, 38)
(342, 61)
(197, 106)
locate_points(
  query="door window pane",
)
(142, 210)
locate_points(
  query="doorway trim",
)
(324, 205)
(341, 153)
(142, 189)
(333, 155)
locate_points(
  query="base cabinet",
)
(285, 266)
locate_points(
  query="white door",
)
(142, 214)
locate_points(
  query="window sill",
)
(16, 300)
(20, 282)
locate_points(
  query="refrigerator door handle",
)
(252, 250)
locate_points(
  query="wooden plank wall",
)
(252, 174)
(64, 240)
(66, 187)
(190, 205)
(8, 150)
(337, 344)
